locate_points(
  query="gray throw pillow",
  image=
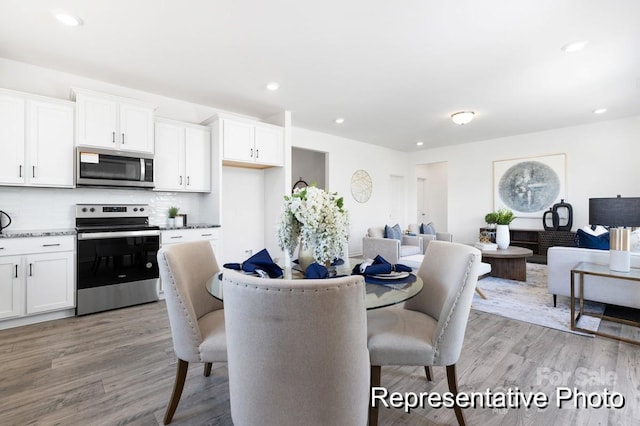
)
(429, 228)
(393, 232)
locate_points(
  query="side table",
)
(588, 268)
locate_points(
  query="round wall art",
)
(361, 186)
(529, 186)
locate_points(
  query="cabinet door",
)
(97, 121)
(168, 171)
(136, 128)
(12, 121)
(50, 144)
(50, 281)
(237, 141)
(11, 299)
(198, 160)
(269, 144)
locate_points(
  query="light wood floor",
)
(117, 368)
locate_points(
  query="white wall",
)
(344, 157)
(603, 160)
(308, 166)
(436, 190)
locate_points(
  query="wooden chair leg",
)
(453, 387)
(375, 382)
(480, 293)
(181, 375)
(428, 371)
(207, 369)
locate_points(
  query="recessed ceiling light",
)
(599, 111)
(339, 120)
(419, 143)
(462, 117)
(68, 18)
(273, 86)
(574, 46)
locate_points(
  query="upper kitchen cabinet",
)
(108, 121)
(36, 139)
(248, 143)
(182, 157)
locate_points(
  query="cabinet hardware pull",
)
(16, 271)
(31, 269)
(20, 172)
(1, 248)
(177, 236)
(251, 155)
(113, 137)
(206, 235)
(123, 139)
(180, 180)
(257, 153)
(51, 245)
(187, 180)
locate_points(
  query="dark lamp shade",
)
(614, 212)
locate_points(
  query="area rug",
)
(530, 302)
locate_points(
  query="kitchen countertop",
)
(37, 233)
(189, 226)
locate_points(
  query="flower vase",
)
(502, 237)
(305, 257)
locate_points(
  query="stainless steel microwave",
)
(103, 167)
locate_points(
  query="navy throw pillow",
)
(393, 232)
(598, 242)
(428, 228)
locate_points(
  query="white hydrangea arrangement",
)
(315, 218)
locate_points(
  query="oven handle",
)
(117, 234)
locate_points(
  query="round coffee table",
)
(509, 263)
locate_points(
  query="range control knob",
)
(92, 210)
(135, 209)
(141, 209)
(84, 209)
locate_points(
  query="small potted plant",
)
(503, 218)
(491, 219)
(173, 212)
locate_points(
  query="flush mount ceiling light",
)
(462, 117)
(339, 120)
(273, 86)
(419, 143)
(574, 46)
(599, 111)
(67, 18)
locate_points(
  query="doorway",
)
(308, 167)
(432, 197)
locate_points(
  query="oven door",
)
(108, 258)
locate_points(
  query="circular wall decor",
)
(529, 186)
(361, 186)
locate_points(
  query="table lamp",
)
(619, 214)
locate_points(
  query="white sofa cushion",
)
(561, 260)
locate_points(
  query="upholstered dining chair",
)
(429, 330)
(297, 350)
(196, 318)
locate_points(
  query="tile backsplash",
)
(54, 208)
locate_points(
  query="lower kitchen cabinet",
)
(36, 275)
(177, 236)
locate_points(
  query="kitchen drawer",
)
(29, 245)
(186, 235)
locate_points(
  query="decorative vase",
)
(171, 222)
(305, 256)
(502, 236)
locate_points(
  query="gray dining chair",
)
(297, 350)
(429, 330)
(196, 318)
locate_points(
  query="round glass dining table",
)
(378, 295)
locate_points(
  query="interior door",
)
(421, 200)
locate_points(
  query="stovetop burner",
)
(112, 217)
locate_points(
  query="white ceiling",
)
(395, 71)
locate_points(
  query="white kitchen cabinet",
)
(112, 122)
(251, 143)
(177, 236)
(36, 140)
(36, 275)
(183, 157)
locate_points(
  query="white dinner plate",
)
(392, 276)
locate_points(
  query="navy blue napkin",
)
(381, 266)
(315, 271)
(261, 260)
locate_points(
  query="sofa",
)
(414, 228)
(561, 260)
(375, 243)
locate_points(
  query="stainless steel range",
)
(116, 263)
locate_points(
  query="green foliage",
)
(500, 217)
(173, 211)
